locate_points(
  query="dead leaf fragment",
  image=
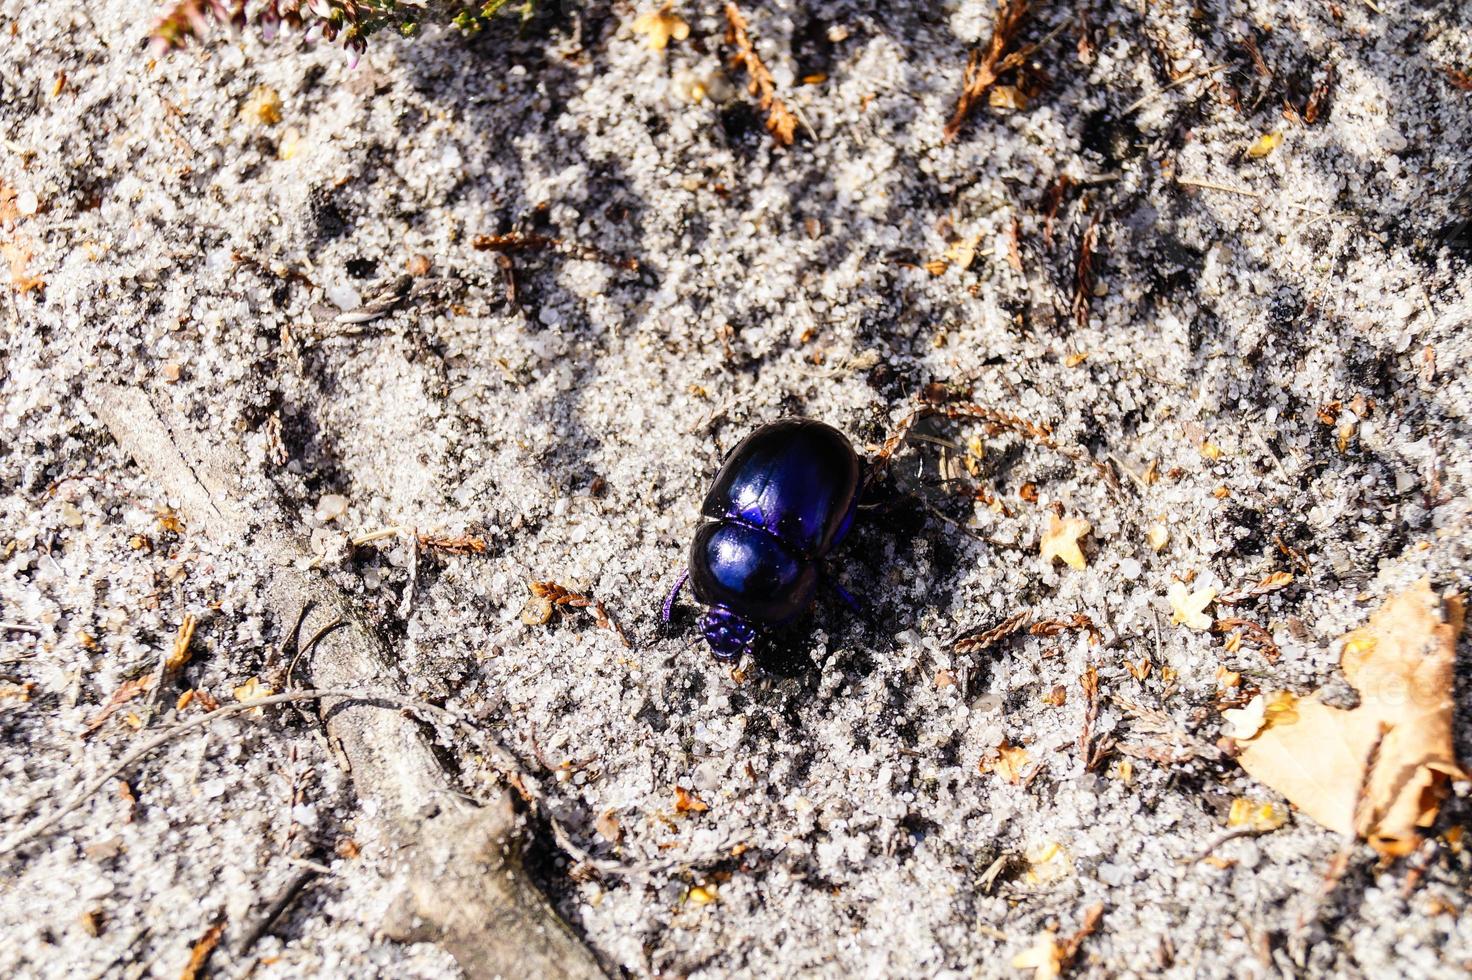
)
(179, 655)
(608, 827)
(1010, 763)
(126, 692)
(251, 690)
(1061, 539)
(16, 692)
(1260, 816)
(203, 947)
(1044, 957)
(1188, 608)
(963, 251)
(688, 802)
(1047, 957)
(662, 26)
(263, 106)
(17, 255)
(1401, 663)
(1007, 97)
(1264, 144)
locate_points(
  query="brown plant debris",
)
(1052, 201)
(526, 242)
(1049, 956)
(17, 254)
(126, 692)
(1014, 245)
(203, 947)
(1460, 79)
(662, 26)
(1254, 633)
(1084, 273)
(781, 123)
(1090, 683)
(557, 595)
(1319, 756)
(459, 544)
(1060, 540)
(985, 67)
(1271, 583)
(688, 802)
(1078, 621)
(179, 655)
(1015, 623)
(1010, 762)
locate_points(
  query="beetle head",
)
(728, 635)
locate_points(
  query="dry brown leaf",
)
(661, 26)
(18, 256)
(688, 802)
(179, 655)
(1010, 762)
(1401, 663)
(1061, 539)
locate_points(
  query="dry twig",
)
(460, 861)
(1083, 289)
(1272, 583)
(525, 242)
(781, 123)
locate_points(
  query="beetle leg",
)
(669, 601)
(848, 599)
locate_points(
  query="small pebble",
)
(344, 296)
(331, 507)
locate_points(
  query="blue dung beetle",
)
(780, 503)
(783, 500)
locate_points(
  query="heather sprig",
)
(351, 22)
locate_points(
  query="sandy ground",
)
(190, 239)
